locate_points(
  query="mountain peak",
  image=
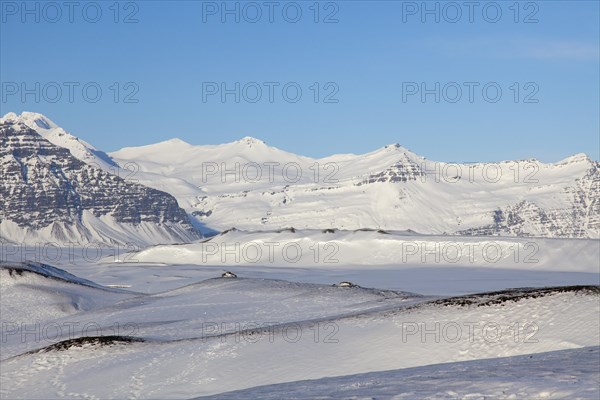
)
(396, 148)
(176, 141)
(11, 116)
(575, 159)
(31, 119)
(250, 141)
(50, 131)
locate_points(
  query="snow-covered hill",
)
(42, 293)
(339, 249)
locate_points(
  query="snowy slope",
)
(99, 230)
(265, 332)
(559, 374)
(38, 293)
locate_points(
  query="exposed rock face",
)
(403, 171)
(586, 197)
(43, 187)
(580, 219)
(56, 135)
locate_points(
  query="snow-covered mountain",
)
(249, 185)
(59, 137)
(48, 194)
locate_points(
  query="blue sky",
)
(372, 57)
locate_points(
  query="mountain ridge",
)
(250, 185)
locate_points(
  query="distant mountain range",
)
(250, 185)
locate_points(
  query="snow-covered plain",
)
(215, 335)
(401, 261)
(161, 323)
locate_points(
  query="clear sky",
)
(373, 57)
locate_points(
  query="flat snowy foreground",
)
(566, 374)
(67, 337)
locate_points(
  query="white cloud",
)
(518, 48)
